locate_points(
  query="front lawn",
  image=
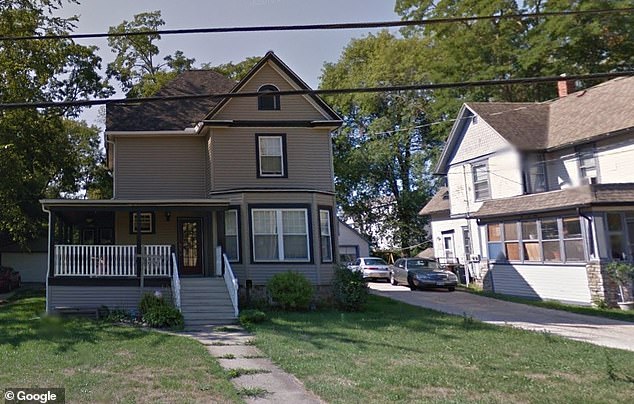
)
(99, 362)
(397, 352)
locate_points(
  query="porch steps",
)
(205, 301)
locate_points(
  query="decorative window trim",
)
(237, 235)
(284, 160)
(328, 210)
(484, 164)
(280, 236)
(276, 98)
(152, 223)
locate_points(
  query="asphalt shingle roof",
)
(598, 111)
(438, 203)
(171, 115)
(586, 195)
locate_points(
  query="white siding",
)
(455, 225)
(616, 162)
(548, 282)
(505, 174)
(478, 140)
(32, 266)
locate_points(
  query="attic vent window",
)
(268, 102)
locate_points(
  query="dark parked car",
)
(9, 279)
(419, 273)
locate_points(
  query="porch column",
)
(138, 245)
(51, 243)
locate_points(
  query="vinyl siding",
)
(316, 272)
(440, 226)
(563, 283)
(234, 160)
(616, 161)
(505, 174)
(291, 107)
(349, 238)
(160, 167)
(93, 297)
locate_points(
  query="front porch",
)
(109, 253)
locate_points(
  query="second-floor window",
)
(534, 174)
(587, 164)
(267, 101)
(481, 181)
(271, 151)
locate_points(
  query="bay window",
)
(280, 235)
(232, 241)
(326, 235)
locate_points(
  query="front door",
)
(190, 246)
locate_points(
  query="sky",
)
(305, 52)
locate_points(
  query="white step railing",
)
(232, 284)
(176, 283)
(111, 260)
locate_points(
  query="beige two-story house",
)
(540, 196)
(209, 194)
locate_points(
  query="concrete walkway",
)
(235, 352)
(595, 330)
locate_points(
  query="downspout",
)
(593, 250)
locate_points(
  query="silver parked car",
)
(371, 268)
(419, 273)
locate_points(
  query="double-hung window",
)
(535, 174)
(481, 181)
(232, 241)
(271, 150)
(587, 164)
(267, 101)
(147, 222)
(326, 235)
(280, 235)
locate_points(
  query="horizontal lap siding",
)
(564, 283)
(234, 159)
(291, 106)
(160, 167)
(316, 272)
(93, 297)
(166, 231)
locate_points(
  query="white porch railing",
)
(176, 283)
(232, 284)
(111, 260)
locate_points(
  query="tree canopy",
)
(383, 155)
(43, 153)
(136, 66)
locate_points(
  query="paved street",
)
(595, 330)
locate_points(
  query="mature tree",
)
(235, 71)
(382, 153)
(42, 152)
(499, 49)
(137, 65)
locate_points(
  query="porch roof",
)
(132, 204)
(570, 198)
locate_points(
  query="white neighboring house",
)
(541, 194)
(352, 244)
(31, 261)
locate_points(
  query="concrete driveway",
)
(595, 330)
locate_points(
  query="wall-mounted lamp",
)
(168, 215)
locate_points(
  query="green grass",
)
(394, 352)
(98, 362)
(615, 314)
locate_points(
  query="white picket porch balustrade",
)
(111, 260)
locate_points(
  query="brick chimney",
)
(565, 87)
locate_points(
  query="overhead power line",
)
(322, 27)
(334, 91)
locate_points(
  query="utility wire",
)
(321, 27)
(411, 87)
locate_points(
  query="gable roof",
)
(606, 109)
(173, 114)
(352, 229)
(437, 204)
(272, 58)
